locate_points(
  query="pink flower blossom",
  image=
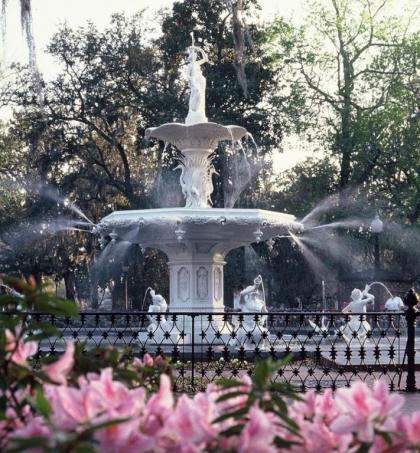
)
(59, 370)
(362, 410)
(408, 428)
(147, 360)
(36, 427)
(190, 426)
(258, 433)
(18, 351)
(389, 403)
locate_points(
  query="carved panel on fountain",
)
(202, 283)
(183, 284)
(218, 283)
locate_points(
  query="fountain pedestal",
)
(196, 281)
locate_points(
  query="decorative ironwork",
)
(206, 346)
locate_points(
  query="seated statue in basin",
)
(158, 306)
(357, 326)
(252, 300)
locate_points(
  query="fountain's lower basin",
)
(196, 241)
(231, 227)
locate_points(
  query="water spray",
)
(383, 285)
(149, 288)
(12, 291)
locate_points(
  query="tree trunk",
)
(70, 285)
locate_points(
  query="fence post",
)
(192, 351)
(410, 301)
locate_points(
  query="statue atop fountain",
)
(197, 84)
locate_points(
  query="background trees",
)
(347, 80)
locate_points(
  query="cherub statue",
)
(357, 326)
(252, 300)
(197, 84)
(159, 305)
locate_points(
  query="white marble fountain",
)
(197, 237)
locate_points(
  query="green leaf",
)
(127, 375)
(92, 429)
(283, 443)
(234, 414)
(84, 447)
(45, 327)
(386, 436)
(28, 443)
(262, 373)
(58, 307)
(228, 396)
(228, 383)
(364, 448)
(232, 431)
(42, 404)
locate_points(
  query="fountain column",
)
(196, 285)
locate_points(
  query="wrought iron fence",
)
(326, 350)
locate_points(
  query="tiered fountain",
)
(197, 237)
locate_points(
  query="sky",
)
(49, 14)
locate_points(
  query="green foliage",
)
(17, 378)
(357, 70)
(257, 394)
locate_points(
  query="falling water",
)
(342, 249)
(145, 295)
(114, 252)
(251, 261)
(240, 170)
(132, 235)
(3, 26)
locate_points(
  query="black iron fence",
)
(326, 350)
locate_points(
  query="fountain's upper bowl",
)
(196, 136)
(229, 228)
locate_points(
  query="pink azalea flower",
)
(163, 400)
(258, 433)
(59, 370)
(362, 410)
(70, 406)
(34, 428)
(18, 350)
(189, 426)
(326, 407)
(390, 403)
(147, 360)
(409, 429)
(317, 437)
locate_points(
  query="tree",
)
(358, 71)
(88, 139)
